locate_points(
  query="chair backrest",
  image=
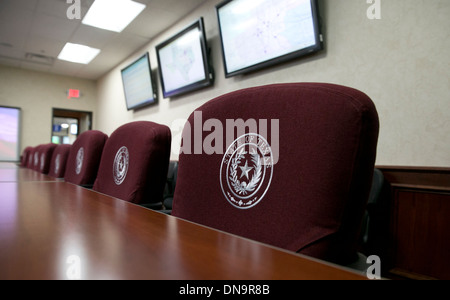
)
(289, 165)
(84, 158)
(59, 160)
(134, 163)
(25, 156)
(45, 157)
(30, 158)
(37, 157)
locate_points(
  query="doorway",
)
(67, 125)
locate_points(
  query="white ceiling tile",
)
(15, 21)
(92, 37)
(42, 27)
(16, 41)
(65, 68)
(57, 8)
(18, 4)
(145, 25)
(45, 46)
(53, 27)
(12, 52)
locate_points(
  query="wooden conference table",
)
(11, 173)
(49, 227)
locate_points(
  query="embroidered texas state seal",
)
(120, 165)
(246, 171)
(57, 163)
(80, 156)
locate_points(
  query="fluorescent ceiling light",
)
(113, 15)
(78, 53)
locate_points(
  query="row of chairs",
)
(130, 165)
(307, 194)
(47, 159)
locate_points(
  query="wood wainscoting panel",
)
(422, 236)
(419, 240)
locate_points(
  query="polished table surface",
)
(45, 224)
(9, 172)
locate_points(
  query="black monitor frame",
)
(147, 102)
(275, 60)
(207, 67)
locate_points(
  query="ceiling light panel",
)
(78, 53)
(113, 15)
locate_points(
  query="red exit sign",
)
(73, 94)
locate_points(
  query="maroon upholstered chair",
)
(289, 165)
(30, 158)
(37, 157)
(45, 157)
(59, 160)
(84, 158)
(25, 156)
(134, 163)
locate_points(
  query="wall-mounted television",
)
(259, 34)
(138, 84)
(10, 133)
(184, 61)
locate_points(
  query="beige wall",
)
(401, 61)
(37, 93)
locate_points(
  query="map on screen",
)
(182, 61)
(257, 31)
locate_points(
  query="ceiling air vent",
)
(39, 59)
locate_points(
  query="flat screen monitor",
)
(10, 134)
(183, 61)
(138, 84)
(259, 34)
